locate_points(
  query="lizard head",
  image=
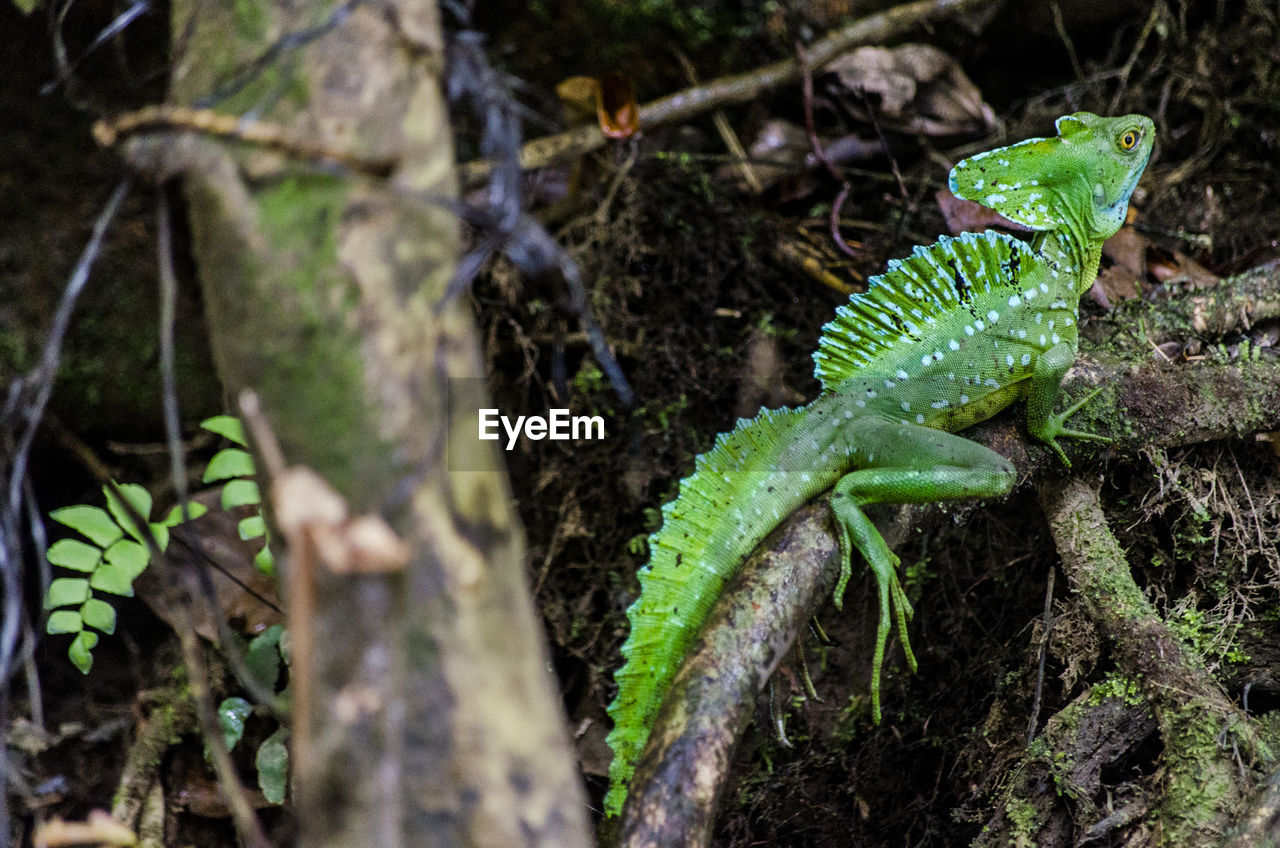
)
(1082, 178)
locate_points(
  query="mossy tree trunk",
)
(433, 716)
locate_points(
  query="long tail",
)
(733, 499)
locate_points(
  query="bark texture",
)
(432, 717)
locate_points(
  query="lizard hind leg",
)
(904, 463)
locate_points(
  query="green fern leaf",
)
(90, 521)
(227, 426)
(229, 463)
(75, 555)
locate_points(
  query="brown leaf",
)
(618, 112)
(965, 216)
(99, 829)
(1178, 268)
(212, 543)
(920, 86)
(578, 98)
(310, 511)
(1122, 280)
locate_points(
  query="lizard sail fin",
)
(902, 305)
(706, 533)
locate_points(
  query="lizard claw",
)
(1057, 428)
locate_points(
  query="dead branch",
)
(739, 88)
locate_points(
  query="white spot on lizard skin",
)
(903, 375)
(1008, 359)
(1026, 359)
(906, 407)
(919, 419)
(953, 344)
(993, 316)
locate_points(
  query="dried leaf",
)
(309, 510)
(1178, 268)
(1122, 280)
(99, 829)
(578, 97)
(618, 112)
(921, 89)
(239, 586)
(965, 216)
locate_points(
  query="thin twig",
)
(22, 412)
(1046, 627)
(806, 72)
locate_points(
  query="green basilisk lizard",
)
(945, 338)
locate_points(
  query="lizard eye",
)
(1129, 140)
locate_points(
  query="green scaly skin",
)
(945, 338)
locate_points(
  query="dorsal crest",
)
(903, 304)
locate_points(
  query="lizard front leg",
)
(1046, 381)
(904, 463)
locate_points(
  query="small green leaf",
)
(272, 761)
(100, 614)
(92, 521)
(64, 621)
(113, 579)
(78, 556)
(228, 463)
(263, 656)
(66, 591)
(138, 498)
(265, 562)
(160, 532)
(81, 650)
(231, 715)
(241, 492)
(195, 509)
(128, 555)
(252, 527)
(227, 426)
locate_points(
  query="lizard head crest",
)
(1082, 178)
